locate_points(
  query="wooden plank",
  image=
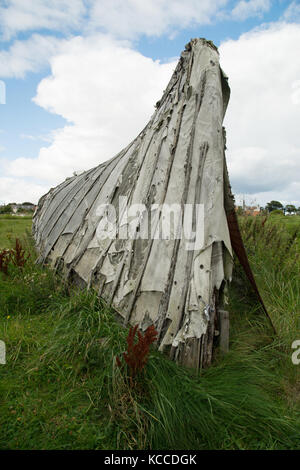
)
(177, 159)
(224, 331)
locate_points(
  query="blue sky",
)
(72, 70)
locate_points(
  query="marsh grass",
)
(12, 226)
(62, 389)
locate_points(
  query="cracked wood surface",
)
(178, 158)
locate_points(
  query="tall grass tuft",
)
(62, 389)
(275, 259)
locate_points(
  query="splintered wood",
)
(121, 228)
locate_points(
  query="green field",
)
(12, 226)
(290, 222)
(61, 387)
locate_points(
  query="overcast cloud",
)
(263, 115)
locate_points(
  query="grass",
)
(290, 223)
(61, 387)
(12, 226)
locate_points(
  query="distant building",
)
(252, 210)
(248, 210)
(25, 206)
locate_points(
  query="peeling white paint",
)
(177, 159)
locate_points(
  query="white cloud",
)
(19, 190)
(292, 13)
(128, 18)
(58, 15)
(244, 10)
(107, 92)
(29, 55)
(295, 97)
(122, 18)
(263, 116)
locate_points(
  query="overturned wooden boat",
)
(109, 228)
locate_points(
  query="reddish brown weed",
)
(136, 356)
(16, 256)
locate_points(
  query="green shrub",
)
(276, 212)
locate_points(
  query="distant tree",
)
(27, 210)
(276, 212)
(27, 204)
(240, 210)
(273, 206)
(6, 209)
(290, 208)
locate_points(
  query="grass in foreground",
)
(12, 226)
(61, 388)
